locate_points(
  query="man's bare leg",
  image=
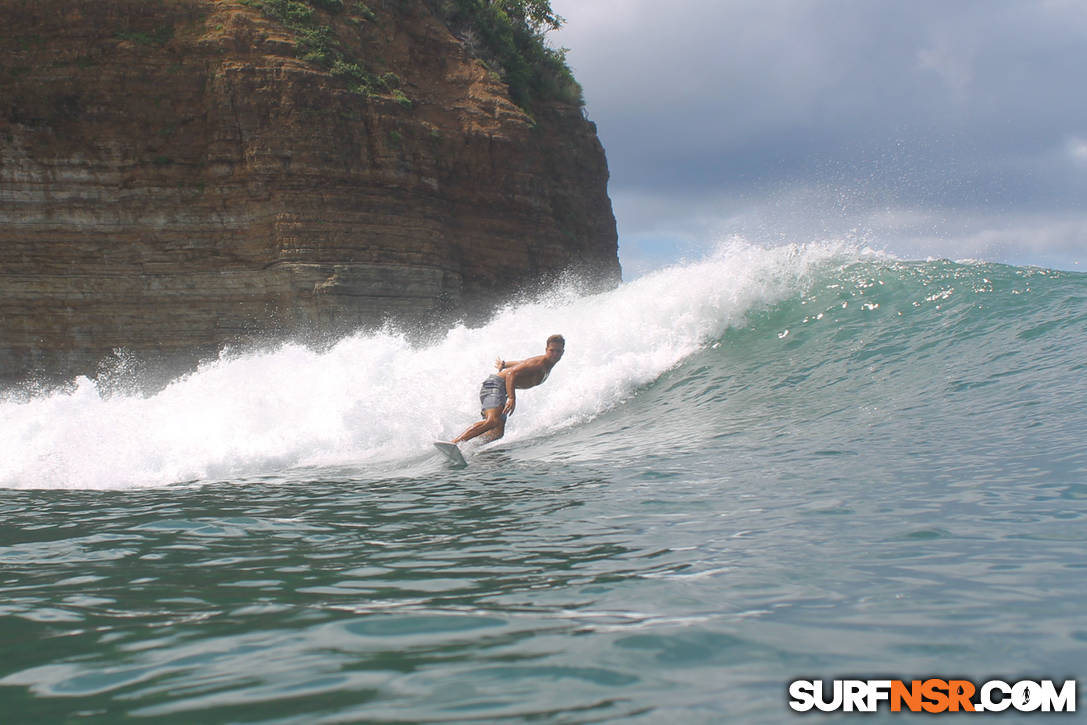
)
(492, 421)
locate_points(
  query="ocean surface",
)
(811, 462)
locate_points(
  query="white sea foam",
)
(374, 397)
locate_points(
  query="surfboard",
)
(450, 451)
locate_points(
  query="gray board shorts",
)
(492, 394)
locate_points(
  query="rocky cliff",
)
(176, 175)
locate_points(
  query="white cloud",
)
(1076, 149)
(951, 65)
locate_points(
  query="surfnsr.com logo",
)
(932, 696)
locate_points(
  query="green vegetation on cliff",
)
(317, 42)
(510, 36)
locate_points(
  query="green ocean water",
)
(807, 462)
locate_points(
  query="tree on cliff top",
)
(513, 34)
(536, 14)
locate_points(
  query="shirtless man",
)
(498, 396)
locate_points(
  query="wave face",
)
(760, 354)
(874, 353)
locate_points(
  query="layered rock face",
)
(174, 177)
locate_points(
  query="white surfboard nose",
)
(450, 451)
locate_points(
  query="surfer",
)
(498, 395)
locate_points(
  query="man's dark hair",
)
(556, 338)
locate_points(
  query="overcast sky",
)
(946, 128)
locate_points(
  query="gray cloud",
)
(969, 112)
